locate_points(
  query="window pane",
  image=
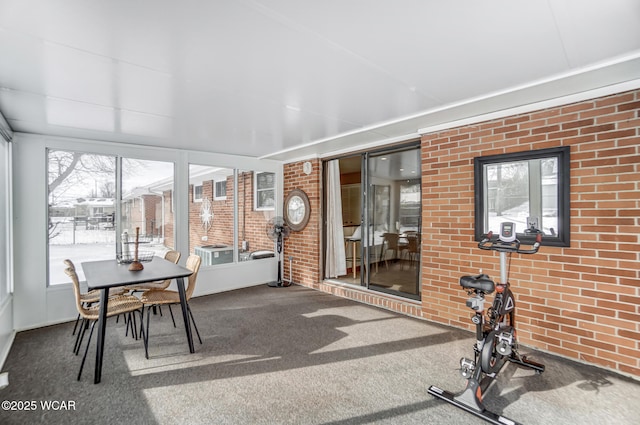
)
(4, 219)
(265, 193)
(252, 223)
(147, 196)
(211, 220)
(221, 190)
(81, 195)
(507, 194)
(410, 207)
(197, 193)
(549, 178)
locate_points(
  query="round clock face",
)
(297, 210)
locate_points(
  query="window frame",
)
(256, 191)
(198, 198)
(217, 197)
(562, 154)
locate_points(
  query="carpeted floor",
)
(292, 356)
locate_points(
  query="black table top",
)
(108, 273)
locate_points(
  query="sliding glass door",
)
(393, 212)
(380, 207)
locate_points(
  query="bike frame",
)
(495, 336)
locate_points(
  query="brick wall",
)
(252, 228)
(583, 301)
(305, 245)
(169, 231)
(152, 214)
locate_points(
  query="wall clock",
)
(297, 210)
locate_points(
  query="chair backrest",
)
(173, 256)
(414, 243)
(392, 240)
(193, 264)
(71, 272)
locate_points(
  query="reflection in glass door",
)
(393, 211)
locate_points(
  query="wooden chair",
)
(390, 243)
(174, 257)
(413, 248)
(91, 297)
(159, 297)
(116, 305)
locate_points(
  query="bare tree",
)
(72, 170)
(67, 170)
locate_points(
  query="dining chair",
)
(413, 247)
(159, 297)
(90, 297)
(174, 257)
(390, 243)
(116, 305)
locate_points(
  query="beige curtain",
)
(335, 259)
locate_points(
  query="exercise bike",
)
(495, 332)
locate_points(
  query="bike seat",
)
(481, 282)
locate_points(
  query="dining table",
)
(106, 274)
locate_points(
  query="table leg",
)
(185, 312)
(102, 321)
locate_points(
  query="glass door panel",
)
(393, 211)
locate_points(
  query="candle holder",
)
(136, 265)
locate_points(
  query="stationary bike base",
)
(470, 399)
(456, 401)
(538, 367)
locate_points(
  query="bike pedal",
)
(467, 367)
(505, 343)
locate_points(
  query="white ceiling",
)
(292, 78)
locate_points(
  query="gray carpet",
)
(294, 356)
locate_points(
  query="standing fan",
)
(277, 230)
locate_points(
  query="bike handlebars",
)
(501, 246)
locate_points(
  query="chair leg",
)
(132, 318)
(172, 319)
(86, 350)
(142, 334)
(146, 336)
(75, 345)
(194, 323)
(127, 322)
(80, 337)
(76, 325)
